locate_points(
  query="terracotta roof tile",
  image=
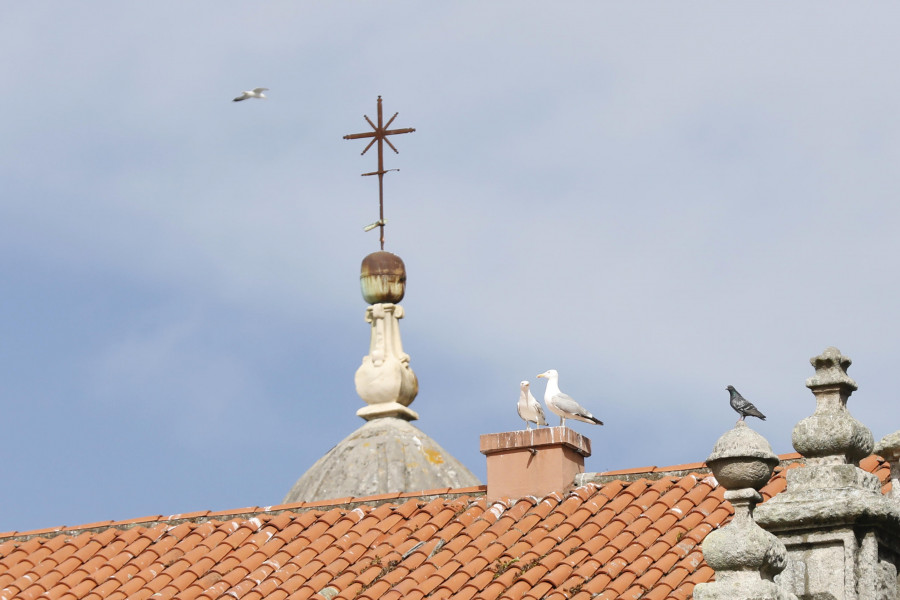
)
(492, 588)
(686, 483)
(621, 540)
(633, 593)
(430, 583)
(648, 579)
(631, 553)
(540, 590)
(703, 574)
(442, 593)
(613, 529)
(480, 581)
(558, 576)
(659, 591)
(516, 591)
(622, 582)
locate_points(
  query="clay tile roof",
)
(627, 535)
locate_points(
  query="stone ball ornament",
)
(889, 447)
(831, 433)
(745, 556)
(742, 458)
(743, 545)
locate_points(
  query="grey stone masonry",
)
(841, 533)
(889, 449)
(746, 558)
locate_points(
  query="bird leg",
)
(562, 421)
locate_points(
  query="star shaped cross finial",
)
(379, 134)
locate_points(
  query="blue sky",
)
(657, 200)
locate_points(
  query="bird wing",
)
(554, 409)
(538, 411)
(258, 90)
(739, 403)
(747, 407)
(572, 409)
(243, 96)
(522, 409)
(567, 404)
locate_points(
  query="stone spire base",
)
(833, 518)
(387, 409)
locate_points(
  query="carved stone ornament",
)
(385, 380)
(838, 527)
(742, 458)
(831, 435)
(746, 557)
(889, 449)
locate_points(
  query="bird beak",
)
(541, 375)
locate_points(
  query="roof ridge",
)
(654, 473)
(203, 516)
(349, 503)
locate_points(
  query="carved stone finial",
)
(745, 557)
(831, 435)
(833, 517)
(385, 380)
(742, 458)
(831, 369)
(889, 449)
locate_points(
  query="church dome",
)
(383, 456)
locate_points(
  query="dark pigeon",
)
(742, 405)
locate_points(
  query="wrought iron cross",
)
(379, 134)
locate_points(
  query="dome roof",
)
(383, 456)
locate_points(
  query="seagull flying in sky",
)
(742, 405)
(529, 408)
(562, 404)
(254, 93)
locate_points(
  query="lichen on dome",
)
(385, 455)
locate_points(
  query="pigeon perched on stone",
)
(563, 405)
(742, 405)
(254, 93)
(529, 408)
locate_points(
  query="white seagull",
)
(254, 93)
(562, 404)
(529, 408)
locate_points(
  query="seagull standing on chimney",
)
(562, 404)
(529, 408)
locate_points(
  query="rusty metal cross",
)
(379, 134)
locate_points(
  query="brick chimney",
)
(533, 462)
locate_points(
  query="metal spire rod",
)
(379, 134)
